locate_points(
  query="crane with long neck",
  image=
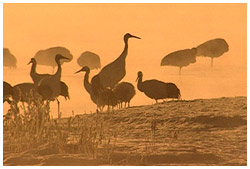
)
(86, 83)
(114, 72)
(50, 87)
(53, 81)
(104, 97)
(36, 77)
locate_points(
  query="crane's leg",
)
(212, 62)
(58, 107)
(97, 105)
(180, 71)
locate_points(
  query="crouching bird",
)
(156, 89)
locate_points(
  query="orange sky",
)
(99, 28)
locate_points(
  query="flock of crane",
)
(105, 88)
(213, 48)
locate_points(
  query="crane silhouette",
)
(53, 81)
(28, 90)
(46, 57)
(89, 59)
(9, 91)
(124, 92)
(180, 58)
(112, 73)
(213, 48)
(50, 87)
(104, 97)
(156, 89)
(9, 60)
(36, 77)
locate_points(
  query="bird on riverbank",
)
(156, 89)
(50, 87)
(114, 72)
(124, 92)
(9, 92)
(103, 97)
(36, 77)
(52, 82)
(28, 92)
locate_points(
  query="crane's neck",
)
(124, 52)
(59, 69)
(139, 84)
(33, 68)
(86, 83)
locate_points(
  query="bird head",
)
(128, 35)
(32, 60)
(59, 57)
(139, 75)
(83, 69)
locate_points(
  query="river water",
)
(198, 80)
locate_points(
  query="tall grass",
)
(31, 127)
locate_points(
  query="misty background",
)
(99, 28)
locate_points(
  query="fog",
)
(99, 28)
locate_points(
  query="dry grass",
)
(197, 132)
(35, 128)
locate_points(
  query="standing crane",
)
(9, 91)
(114, 72)
(104, 97)
(180, 58)
(46, 57)
(36, 77)
(50, 87)
(9, 60)
(213, 48)
(26, 90)
(89, 59)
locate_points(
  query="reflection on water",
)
(196, 81)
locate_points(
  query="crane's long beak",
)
(132, 36)
(29, 62)
(78, 71)
(62, 57)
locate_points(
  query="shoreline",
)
(186, 132)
